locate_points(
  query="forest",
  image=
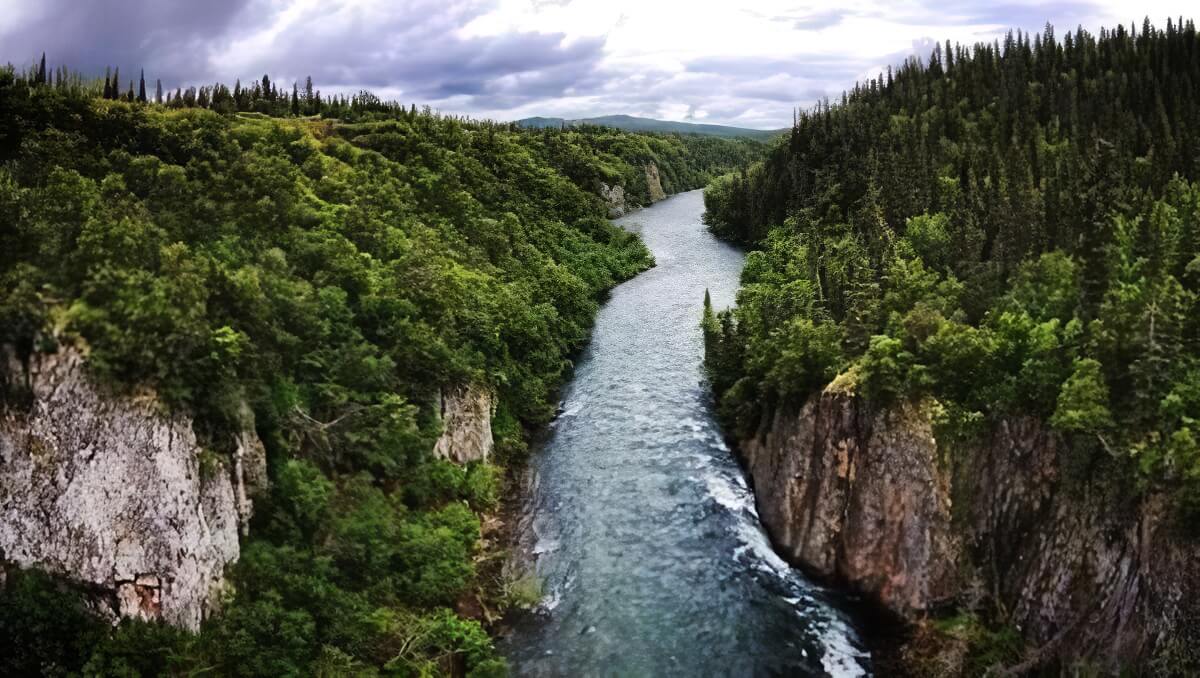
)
(319, 259)
(1012, 229)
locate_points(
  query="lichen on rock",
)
(466, 413)
(106, 490)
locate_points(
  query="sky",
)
(747, 64)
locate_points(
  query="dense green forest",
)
(333, 263)
(1012, 228)
(635, 124)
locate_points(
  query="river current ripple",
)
(644, 531)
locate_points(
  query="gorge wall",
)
(466, 412)
(866, 498)
(111, 493)
(615, 197)
(107, 491)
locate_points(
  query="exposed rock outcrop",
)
(108, 491)
(857, 496)
(466, 424)
(614, 199)
(862, 497)
(654, 183)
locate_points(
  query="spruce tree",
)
(41, 75)
(141, 95)
(295, 99)
(158, 93)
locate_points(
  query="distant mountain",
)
(635, 124)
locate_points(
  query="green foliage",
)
(987, 647)
(1083, 400)
(137, 649)
(45, 627)
(522, 592)
(930, 237)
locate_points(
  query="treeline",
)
(315, 271)
(1013, 228)
(261, 96)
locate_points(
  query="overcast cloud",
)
(744, 64)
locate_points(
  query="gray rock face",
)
(614, 199)
(466, 425)
(108, 491)
(862, 497)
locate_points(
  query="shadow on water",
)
(642, 527)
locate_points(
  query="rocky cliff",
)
(864, 497)
(108, 491)
(466, 412)
(615, 199)
(654, 183)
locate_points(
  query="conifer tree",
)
(41, 74)
(141, 95)
(295, 99)
(158, 92)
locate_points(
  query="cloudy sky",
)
(740, 63)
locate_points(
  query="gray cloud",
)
(819, 20)
(170, 36)
(416, 51)
(414, 47)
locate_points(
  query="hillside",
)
(636, 124)
(964, 367)
(304, 335)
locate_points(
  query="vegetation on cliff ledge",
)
(334, 263)
(1011, 228)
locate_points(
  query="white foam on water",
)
(729, 496)
(551, 601)
(840, 657)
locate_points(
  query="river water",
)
(643, 528)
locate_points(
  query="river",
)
(643, 528)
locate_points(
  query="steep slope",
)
(1002, 239)
(866, 497)
(384, 303)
